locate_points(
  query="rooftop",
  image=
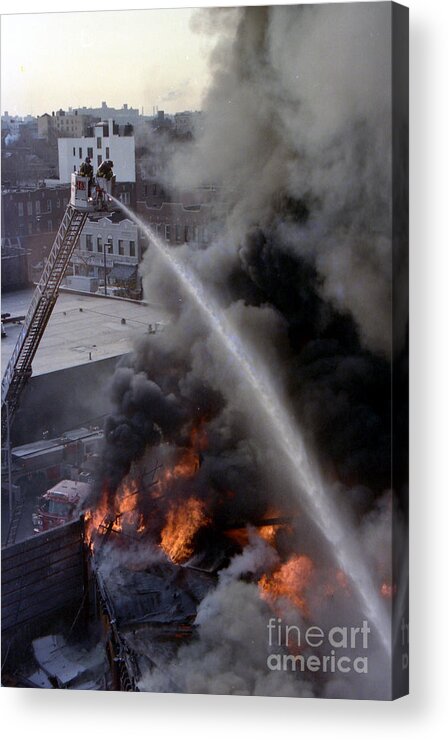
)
(82, 328)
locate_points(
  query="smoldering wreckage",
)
(195, 538)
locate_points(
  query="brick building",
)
(33, 215)
(14, 265)
(178, 224)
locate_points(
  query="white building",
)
(120, 241)
(106, 143)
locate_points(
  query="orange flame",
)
(289, 581)
(93, 519)
(338, 582)
(267, 532)
(387, 590)
(182, 522)
(189, 462)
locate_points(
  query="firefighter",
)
(105, 169)
(86, 170)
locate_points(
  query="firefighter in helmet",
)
(105, 169)
(86, 170)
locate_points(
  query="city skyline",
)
(161, 61)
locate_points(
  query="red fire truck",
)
(60, 504)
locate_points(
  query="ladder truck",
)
(88, 198)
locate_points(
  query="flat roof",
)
(38, 447)
(82, 328)
(83, 433)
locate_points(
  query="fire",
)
(182, 522)
(335, 582)
(93, 519)
(125, 512)
(342, 580)
(123, 507)
(289, 581)
(268, 532)
(189, 461)
(126, 504)
(187, 466)
(387, 590)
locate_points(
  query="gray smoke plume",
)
(299, 110)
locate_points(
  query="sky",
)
(144, 58)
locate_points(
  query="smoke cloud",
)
(298, 126)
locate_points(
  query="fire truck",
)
(60, 504)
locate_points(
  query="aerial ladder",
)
(87, 198)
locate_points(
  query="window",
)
(80, 152)
(167, 232)
(110, 244)
(20, 208)
(29, 208)
(154, 189)
(132, 248)
(65, 202)
(98, 142)
(120, 246)
(187, 234)
(125, 198)
(178, 232)
(58, 203)
(99, 244)
(159, 229)
(107, 153)
(74, 151)
(49, 225)
(74, 168)
(37, 207)
(89, 242)
(99, 159)
(90, 152)
(48, 206)
(58, 508)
